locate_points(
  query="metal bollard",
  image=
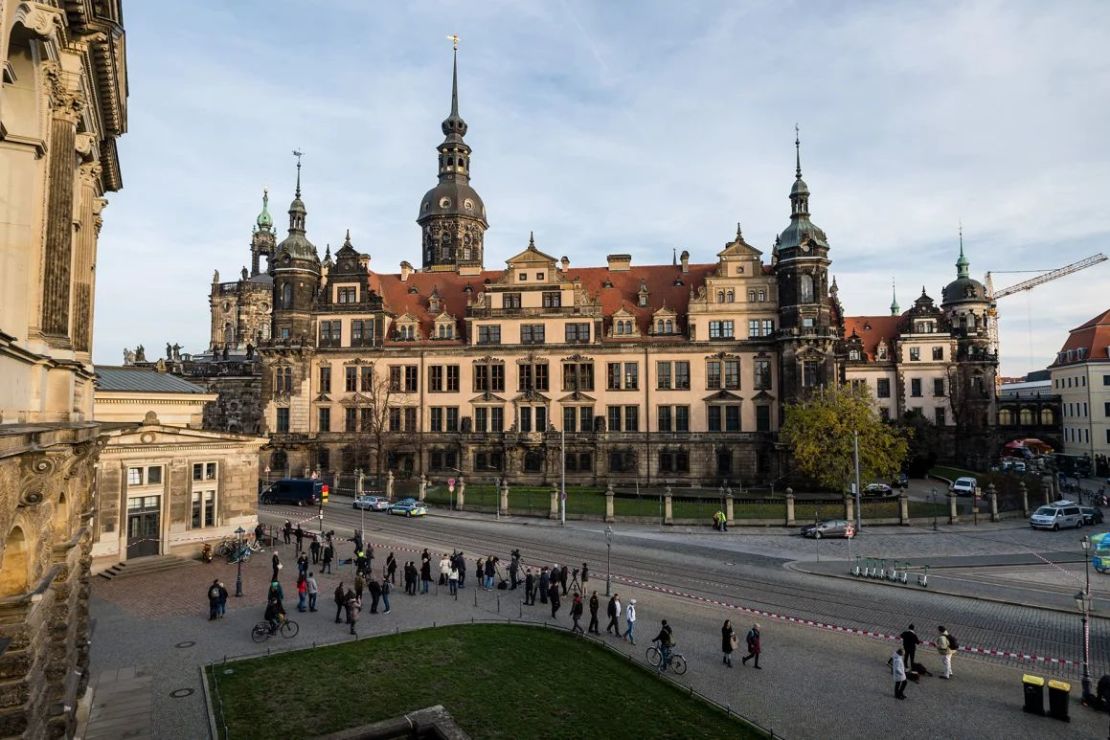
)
(882, 570)
(856, 567)
(923, 579)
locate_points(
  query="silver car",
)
(1057, 516)
(371, 503)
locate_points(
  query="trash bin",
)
(1033, 687)
(1059, 694)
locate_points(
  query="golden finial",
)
(454, 39)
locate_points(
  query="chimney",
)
(565, 263)
(685, 261)
(406, 270)
(619, 262)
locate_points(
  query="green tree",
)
(818, 431)
(924, 441)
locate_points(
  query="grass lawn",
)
(491, 678)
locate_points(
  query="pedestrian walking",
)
(302, 566)
(360, 586)
(287, 531)
(910, 641)
(898, 670)
(329, 555)
(594, 603)
(313, 591)
(585, 576)
(302, 593)
(563, 579)
(491, 571)
(754, 647)
(259, 532)
(945, 647)
(223, 601)
(529, 587)
(314, 548)
(576, 613)
(299, 534)
(630, 620)
(514, 568)
(614, 611)
(375, 590)
(453, 581)
(340, 600)
(391, 569)
(386, 588)
(354, 606)
(728, 642)
(276, 561)
(410, 578)
(214, 600)
(425, 575)
(444, 568)
(545, 584)
(553, 596)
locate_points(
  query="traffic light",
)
(324, 493)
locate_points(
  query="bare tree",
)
(380, 422)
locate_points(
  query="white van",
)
(964, 486)
(1056, 516)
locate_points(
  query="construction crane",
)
(1026, 285)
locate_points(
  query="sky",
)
(621, 127)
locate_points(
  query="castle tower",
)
(263, 238)
(296, 271)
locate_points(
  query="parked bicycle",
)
(263, 631)
(677, 662)
(242, 553)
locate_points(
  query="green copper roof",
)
(265, 220)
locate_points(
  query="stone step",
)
(140, 566)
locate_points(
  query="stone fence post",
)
(953, 512)
(1049, 487)
(790, 522)
(554, 513)
(668, 516)
(903, 509)
(389, 485)
(504, 496)
(850, 508)
(609, 494)
(729, 509)
(1024, 498)
(423, 486)
(460, 499)
(992, 496)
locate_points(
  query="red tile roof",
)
(1093, 336)
(871, 330)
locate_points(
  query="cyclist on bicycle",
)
(275, 614)
(665, 640)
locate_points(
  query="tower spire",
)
(894, 308)
(297, 210)
(797, 153)
(962, 264)
(298, 154)
(455, 76)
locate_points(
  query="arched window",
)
(720, 296)
(659, 327)
(1026, 417)
(287, 295)
(670, 326)
(15, 571)
(805, 289)
(730, 297)
(1048, 417)
(1005, 417)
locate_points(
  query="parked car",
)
(827, 528)
(900, 481)
(1057, 516)
(964, 486)
(408, 507)
(877, 489)
(371, 503)
(299, 491)
(1091, 514)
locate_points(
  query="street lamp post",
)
(855, 455)
(1083, 603)
(361, 504)
(933, 505)
(608, 552)
(239, 563)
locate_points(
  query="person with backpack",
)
(214, 600)
(946, 645)
(754, 647)
(665, 641)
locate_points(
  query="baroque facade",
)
(666, 373)
(63, 92)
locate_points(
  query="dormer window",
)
(445, 331)
(853, 355)
(643, 299)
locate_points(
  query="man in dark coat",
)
(375, 590)
(585, 576)
(314, 548)
(287, 531)
(529, 587)
(545, 584)
(554, 596)
(563, 579)
(514, 568)
(340, 600)
(391, 569)
(329, 555)
(576, 613)
(593, 614)
(614, 612)
(461, 567)
(277, 566)
(425, 575)
(910, 641)
(299, 534)
(214, 600)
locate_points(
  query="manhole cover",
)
(181, 693)
(185, 644)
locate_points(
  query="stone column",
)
(1050, 488)
(729, 509)
(953, 512)
(423, 486)
(85, 248)
(389, 485)
(65, 109)
(668, 515)
(1024, 498)
(992, 496)
(460, 496)
(504, 496)
(903, 509)
(850, 508)
(790, 510)
(609, 494)
(554, 513)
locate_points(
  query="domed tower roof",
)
(297, 245)
(964, 289)
(801, 230)
(265, 221)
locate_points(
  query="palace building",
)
(666, 373)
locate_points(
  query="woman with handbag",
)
(728, 642)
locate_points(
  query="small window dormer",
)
(407, 328)
(444, 327)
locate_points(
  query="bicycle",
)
(262, 631)
(243, 554)
(677, 662)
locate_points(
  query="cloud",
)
(619, 127)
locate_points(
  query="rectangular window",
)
(347, 295)
(682, 418)
(938, 386)
(350, 379)
(395, 378)
(586, 418)
(525, 418)
(541, 418)
(713, 374)
(204, 509)
(915, 387)
(329, 333)
(412, 378)
(721, 329)
(762, 374)
(631, 418)
(366, 379)
(768, 327)
(487, 460)
(490, 334)
(938, 353)
(578, 376)
(664, 420)
(135, 476)
(1106, 408)
(613, 376)
(915, 354)
(938, 416)
(577, 333)
(753, 328)
(324, 419)
(663, 376)
(436, 423)
(570, 419)
(356, 332)
(366, 419)
(631, 376)
(350, 422)
(622, 461)
(496, 419)
(452, 420)
(410, 419)
(532, 334)
(809, 373)
(732, 374)
(481, 419)
(882, 388)
(510, 300)
(614, 418)
(552, 299)
(763, 418)
(452, 378)
(435, 378)
(394, 419)
(325, 379)
(682, 375)
(1106, 379)
(732, 418)
(283, 420)
(715, 419)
